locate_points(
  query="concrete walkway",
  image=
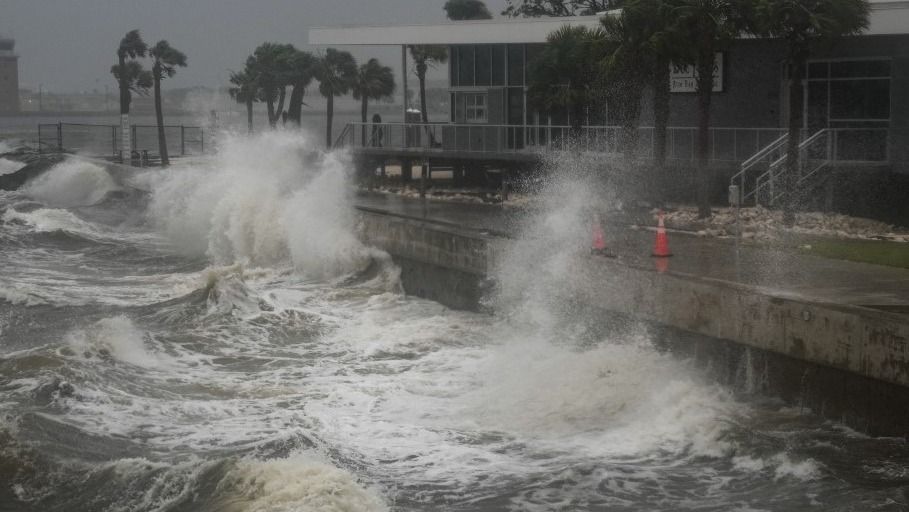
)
(778, 271)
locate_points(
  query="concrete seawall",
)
(850, 363)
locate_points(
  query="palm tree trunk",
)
(249, 116)
(280, 109)
(661, 96)
(363, 111)
(704, 91)
(576, 121)
(159, 115)
(796, 96)
(424, 114)
(295, 107)
(272, 119)
(330, 111)
(631, 112)
(125, 142)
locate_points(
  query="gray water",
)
(213, 337)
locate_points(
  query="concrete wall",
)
(848, 362)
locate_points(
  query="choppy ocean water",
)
(214, 337)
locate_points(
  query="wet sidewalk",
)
(780, 271)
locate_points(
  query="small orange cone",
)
(661, 245)
(598, 246)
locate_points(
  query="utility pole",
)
(40, 97)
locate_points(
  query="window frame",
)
(473, 108)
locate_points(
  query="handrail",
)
(344, 133)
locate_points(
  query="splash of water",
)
(303, 481)
(266, 200)
(70, 183)
(115, 338)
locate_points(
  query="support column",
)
(404, 80)
(406, 170)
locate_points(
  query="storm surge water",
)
(214, 337)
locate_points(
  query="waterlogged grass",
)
(891, 254)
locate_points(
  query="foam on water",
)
(72, 182)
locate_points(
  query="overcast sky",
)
(69, 45)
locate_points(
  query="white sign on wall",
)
(683, 78)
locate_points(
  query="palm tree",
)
(566, 72)
(708, 27)
(802, 23)
(166, 58)
(374, 81)
(130, 78)
(270, 64)
(466, 10)
(245, 91)
(627, 69)
(644, 51)
(336, 72)
(301, 68)
(424, 57)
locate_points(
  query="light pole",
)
(40, 97)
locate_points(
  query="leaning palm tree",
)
(425, 57)
(270, 63)
(336, 72)
(245, 90)
(801, 24)
(130, 78)
(706, 27)
(166, 58)
(566, 72)
(301, 66)
(374, 81)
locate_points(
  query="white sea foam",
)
(73, 182)
(51, 219)
(8, 166)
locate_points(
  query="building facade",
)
(9, 76)
(858, 89)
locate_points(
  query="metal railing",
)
(104, 140)
(760, 176)
(726, 144)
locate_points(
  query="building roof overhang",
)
(887, 17)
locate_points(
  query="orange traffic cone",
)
(661, 245)
(598, 246)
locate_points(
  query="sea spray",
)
(267, 200)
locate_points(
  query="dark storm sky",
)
(69, 45)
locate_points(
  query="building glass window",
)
(498, 64)
(515, 64)
(483, 64)
(848, 91)
(465, 66)
(476, 110)
(453, 66)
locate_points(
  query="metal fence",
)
(104, 140)
(725, 145)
